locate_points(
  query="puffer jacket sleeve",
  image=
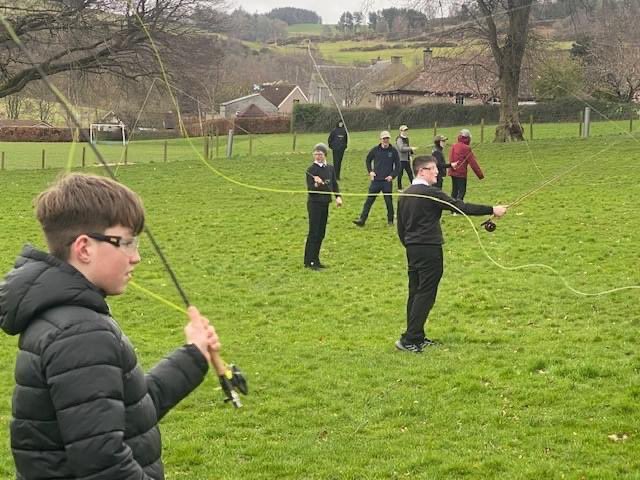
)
(83, 369)
(175, 376)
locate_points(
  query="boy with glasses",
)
(419, 212)
(82, 406)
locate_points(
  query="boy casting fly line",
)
(82, 406)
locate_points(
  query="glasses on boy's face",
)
(128, 245)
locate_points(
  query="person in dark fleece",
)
(419, 212)
(321, 181)
(338, 142)
(82, 407)
(383, 164)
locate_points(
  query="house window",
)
(459, 99)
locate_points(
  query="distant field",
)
(310, 29)
(342, 52)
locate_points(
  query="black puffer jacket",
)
(82, 406)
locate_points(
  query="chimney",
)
(396, 60)
(427, 57)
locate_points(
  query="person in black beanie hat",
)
(321, 181)
(338, 140)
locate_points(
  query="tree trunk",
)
(509, 128)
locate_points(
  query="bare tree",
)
(13, 106)
(45, 105)
(86, 35)
(503, 27)
(508, 43)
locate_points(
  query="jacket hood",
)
(465, 140)
(39, 282)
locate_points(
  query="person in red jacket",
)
(462, 156)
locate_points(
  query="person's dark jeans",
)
(425, 269)
(318, 215)
(376, 187)
(337, 161)
(458, 187)
(405, 167)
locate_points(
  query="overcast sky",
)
(329, 10)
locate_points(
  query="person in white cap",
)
(383, 163)
(321, 182)
(405, 151)
(462, 156)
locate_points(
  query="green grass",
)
(530, 379)
(61, 155)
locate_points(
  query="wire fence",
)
(37, 155)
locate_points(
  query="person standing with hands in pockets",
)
(321, 181)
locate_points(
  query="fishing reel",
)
(489, 225)
(232, 382)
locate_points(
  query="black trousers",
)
(337, 161)
(376, 187)
(404, 167)
(425, 268)
(318, 215)
(458, 187)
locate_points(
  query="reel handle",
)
(489, 225)
(231, 379)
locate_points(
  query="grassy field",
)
(531, 380)
(66, 155)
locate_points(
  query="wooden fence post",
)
(164, 152)
(84, 156)
(2, 162)
(580, 124)
(217, 141)
(250, 145)
(481, 130)
(206, 146)
(294, 141)
(43, 157)
(631, 122)
(530, 127)
(435, 128)
(126, 154)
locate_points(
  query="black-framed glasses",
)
(129, 245)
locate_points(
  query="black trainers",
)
(359, 222)
(313, 266)
(390, 223)
(408, 347)
(427, 342)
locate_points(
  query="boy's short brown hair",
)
(422, 161)
(79, 203)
